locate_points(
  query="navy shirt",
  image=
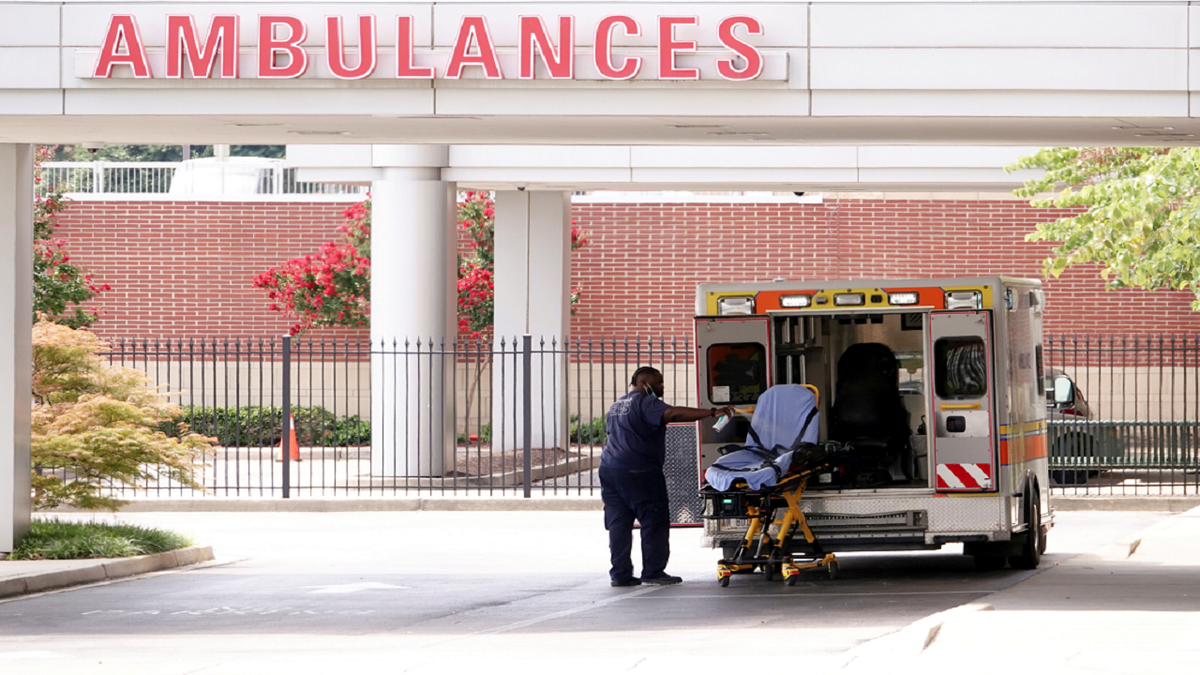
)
(637, 435)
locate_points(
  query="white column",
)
(532, 296)
(16, 352)
(413, 297)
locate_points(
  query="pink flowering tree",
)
(60, 287)
(331, 288)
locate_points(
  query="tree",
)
(95, 424)
(1134, 211)
(160, 153)
(59, 287)
(332, 288)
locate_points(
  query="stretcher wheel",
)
(724, 582)
(769, 572)
(834, 568)
(791, 581)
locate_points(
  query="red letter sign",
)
(533, 31)
(754, 60)
(668, 46)
(335, 49)
(603, 54)
(182, 38)
(404, 52)
(269, 46)
(474, 28)
(123, 28)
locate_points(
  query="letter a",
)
(123, 28)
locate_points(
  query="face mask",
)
(650, 392)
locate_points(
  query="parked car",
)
(1080, 445)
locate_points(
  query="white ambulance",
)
(937, 385)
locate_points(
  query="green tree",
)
(160, 153)
(95, 424)
(60, 287)
(1133, 211)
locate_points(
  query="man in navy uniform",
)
(632, 484)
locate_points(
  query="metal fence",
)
(509, 416)
(1134, 428)
(207, 177)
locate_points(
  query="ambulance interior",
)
(869, 370)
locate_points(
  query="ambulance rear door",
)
(733, 367)
(963, 378)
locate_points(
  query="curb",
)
(325, 505)
(1121, 503)
(105, 569)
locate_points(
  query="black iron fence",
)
(519, 416)
(1127, 416)
(360, 418)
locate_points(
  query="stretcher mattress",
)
(784, 418)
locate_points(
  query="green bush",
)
(58, 540)
(263, 426)
(485, 435)
(588, 432)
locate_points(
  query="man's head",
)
(648, 380)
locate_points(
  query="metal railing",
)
(504, 417)
(233, 176)
(1135, 428)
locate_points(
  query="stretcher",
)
(764, 478)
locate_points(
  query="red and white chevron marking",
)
(964, 476)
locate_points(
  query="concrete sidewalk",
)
(1133, 608)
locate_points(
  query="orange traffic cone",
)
(294, 453)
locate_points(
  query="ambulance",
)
(934, 386)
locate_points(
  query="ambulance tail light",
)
(735, 304)
(906, 298)
(964, 300)
(849, 299)
(795, 301)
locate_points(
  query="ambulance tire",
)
(1031, 546)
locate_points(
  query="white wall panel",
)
(998, 24)
(627, 101)
(249, 102)
(569, 156)
(29, 68)
(991, 69)
(784, 24)
(31, 102)
(963, 156)
(718, 176)
(743, 157)
(1014, 104)
(28, 25)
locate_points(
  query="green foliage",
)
(255, 426)
(57, 540)
(485, 435)
(589, 432)
(1135, 212)
(161, 153)
(95, 424)
(59, 287)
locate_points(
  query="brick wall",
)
(184, 269)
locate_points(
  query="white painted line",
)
(568, 612)
(732, 595)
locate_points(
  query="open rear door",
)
(733, 367)
(964, 453)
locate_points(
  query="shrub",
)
(263, 426)
(589, 432)
(56, 540)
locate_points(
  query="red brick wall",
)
(184, 269)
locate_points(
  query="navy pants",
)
(642, 495)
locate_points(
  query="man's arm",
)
(684, 414)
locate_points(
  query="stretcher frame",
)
(758, 549)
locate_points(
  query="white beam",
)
(16, 352)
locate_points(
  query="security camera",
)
(91, 147)
(520, 188)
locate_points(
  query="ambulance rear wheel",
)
(1031, 548)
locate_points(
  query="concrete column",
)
(413, 297)
(16, 352)
(532, 295)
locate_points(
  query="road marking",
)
(732, 595)
(354, 588)
(569, 612)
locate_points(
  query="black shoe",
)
(663, 579)
(631, 581)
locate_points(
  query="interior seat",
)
(869, 414)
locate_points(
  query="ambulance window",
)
(961, 367)
(737, 373)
